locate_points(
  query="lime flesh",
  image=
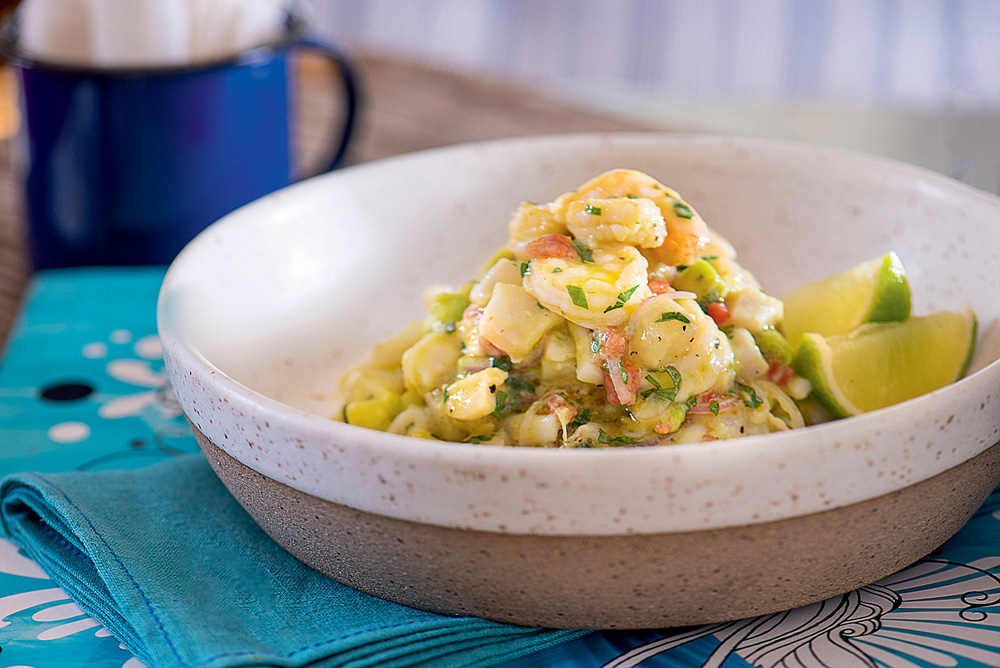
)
(881, 364)
(874, 291)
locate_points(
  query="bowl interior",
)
(284, 294)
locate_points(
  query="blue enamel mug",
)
(125, 166)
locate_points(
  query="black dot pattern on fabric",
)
(66, 391)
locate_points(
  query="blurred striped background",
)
(917, 80)
(924, 54)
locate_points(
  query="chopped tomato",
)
(552, 245)
(612, 342)
(718, 312)
(659, 286)
(779, 373)
(621, 381)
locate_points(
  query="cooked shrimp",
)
(687, 234)
(593, 292)
(633, 221)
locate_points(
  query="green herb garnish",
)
(524, 268)
(479, 439)
(580, 420)
(501, 403)
(714, 407)
(669, 393)
(673, 315)
(578, 296)
(682, 210)
(585, 253)
(604, 439)
(652, 381)
(557, 270)
(503, 363)
(622, 372)
(749, 395)
(623, 298)
(631, 196)
(592, 210)
(520, 385)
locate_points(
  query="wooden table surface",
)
(407, 107)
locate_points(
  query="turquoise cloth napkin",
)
(168, 561)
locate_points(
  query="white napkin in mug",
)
(146, 33)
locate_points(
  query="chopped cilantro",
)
(604, 439)
(669, 393)
(578, 296)
(520, 385)
(501, 403)
(592, 210)
(580, 420)
(585, 253)
(709, 258)
(444, 397)
(749, 395)
(673, 315)
(623, 298)
(710, 297)
(503, 363)
(682, 210)
(622, 372)
(631, 196)
(524, 268)
(714, 407)
(691, 403)
(479, 439)
(557, 270)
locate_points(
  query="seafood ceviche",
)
(613, 316)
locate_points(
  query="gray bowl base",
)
(615, 582)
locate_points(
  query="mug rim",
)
(294, 30)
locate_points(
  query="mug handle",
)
(349, 80)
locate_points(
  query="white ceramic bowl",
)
(264, 310)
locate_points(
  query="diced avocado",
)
(362, 383)
(773, 345)
(375, 413)
(448, 306)
(702, 279)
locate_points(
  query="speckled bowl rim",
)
(184, 360)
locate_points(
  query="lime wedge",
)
(881, 364)
(874, 291)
